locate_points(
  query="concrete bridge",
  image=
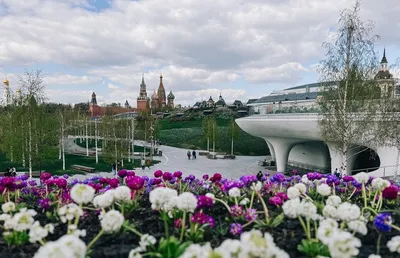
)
(297, 137)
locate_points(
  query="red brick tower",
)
(143, 101)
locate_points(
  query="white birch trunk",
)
(122, 163)
(95, 141)
(129, 145)
(214, 140)
(133, 140)
(63, 150)
(232, 146)
(208, 144)
(60, 149)
(87, 138)
(30, 150)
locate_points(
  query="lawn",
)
(56, 167)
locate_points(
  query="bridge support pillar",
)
(336, 157)
(281, 149)
(271, 150)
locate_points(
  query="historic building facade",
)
(159, 99)
(95, 110)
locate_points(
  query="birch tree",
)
(233, 133)
(350, 95)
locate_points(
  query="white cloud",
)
(197, 45)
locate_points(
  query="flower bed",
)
(174, 216)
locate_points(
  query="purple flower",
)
(202, 218)
(167, 176)
(383, 221)
(347, 178)
(278, 177)
(178, 223)
(65, 176)
(178, 174)
(248, 180)
(45, 176)
(204, 201)
(205, 177)
(235, 229)
(236, 211)
(250, 214)
(44, 203)
(314, 176)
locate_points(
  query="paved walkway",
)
(175, 159)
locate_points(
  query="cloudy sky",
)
(240, 48)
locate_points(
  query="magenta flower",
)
(130, 173)
(122, 173)
(205, 177)
(391, 192)
(282, 195)
(178, 174)
(135, 183)
(158, 173)
(167, 176)
(45, 176)
(204, 201)
(178, 223)
(114, 182)
(275, 201)
(235, 229)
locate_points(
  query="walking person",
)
(188, 154)
(143, 163)
(148, 163)
(114, 168)
(194, 154)
(259, 175)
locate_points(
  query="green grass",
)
(100, 144)
(55, 167)
(190, 135)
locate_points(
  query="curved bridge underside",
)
(296, 139)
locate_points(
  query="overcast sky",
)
(240, 48)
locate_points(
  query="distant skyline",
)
(241, 49)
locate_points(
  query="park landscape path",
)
(175, 159)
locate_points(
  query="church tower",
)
(171, 98)
(161, 93)
(142, 100)
(385, 78)
(6, 93)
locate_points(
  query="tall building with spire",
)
(385, 79)
(143, 102)
(6, 93)
(161, 93)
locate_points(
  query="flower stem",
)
(183, 225)
(378, 243)
(133, 230)
(368, 208)
(95, 239)
(264, 206)
(351, 195)
(304, 227)
(165, 225)
(224, 203)
(252, 199)
(395, 227)
(364, 194)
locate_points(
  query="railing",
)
(373, 169)
(305, 168)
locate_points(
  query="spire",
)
(384, 60)
(142, 78)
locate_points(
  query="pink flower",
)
(282, 195)
(236, 211)
(275, 201)
(250, 214)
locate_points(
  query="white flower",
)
(187, 202)
(122, 193)
(291, 208)
(37, 232)
(76, 232)
(293, 193)
(361, 177)
(8, 207)
(210, 195)
(333, 200)
(5, 217)
(358, 226)
(374, 256)
(229, 248)
(54, 249)
(197, 251)
(147, 240)
(256, 186)
(50, 228)
(161, 195)
(302, 187)
(329, 211)
(394, 244)
(327, 228)
(347, 211)
(23, 220)
(344, 245)
(69, 212)
(135, 253)
(379, 183)
(245, 201)
(82, 194)
(75, 244)
(234, 192)
(103, 201)
(308, 209)
(111, 221)
(324, 189)
(304, 179)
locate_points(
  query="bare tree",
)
(350, 99)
